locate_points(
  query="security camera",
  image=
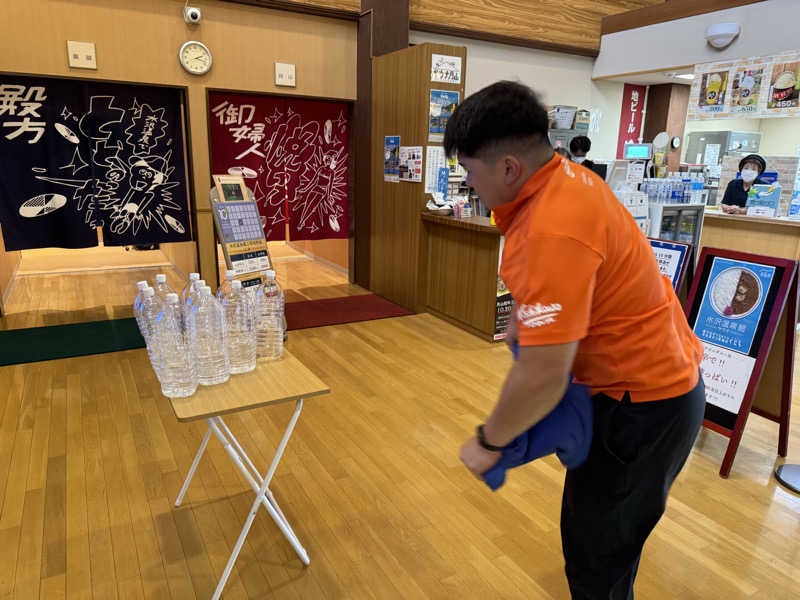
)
(192, 14)
(721, 35)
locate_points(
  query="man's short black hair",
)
(580, 143)
(504, 113)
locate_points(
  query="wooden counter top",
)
(481, 224)
(746, 219)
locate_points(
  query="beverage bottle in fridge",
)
(149, 311)
(225, 286)
(240, 321)
(269, 328)
(206, 324)
(162, 288)
(178, 368)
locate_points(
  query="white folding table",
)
(272, 382)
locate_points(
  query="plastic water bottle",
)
(162, 288)
(269, 330)
(137, 303)
(193, 278)
(149, 310)
(178, 370)
(206, 324)
(225, 287)
(240, 321)
(191, 298)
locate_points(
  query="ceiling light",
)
(689, 76)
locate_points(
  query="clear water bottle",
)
(141, 286)
(149, 311)
(191, 297)
(206, 324)
(240, 321)
(162, 288)
(225, 286)
(193, 278)
(178, 369)
(269, 330)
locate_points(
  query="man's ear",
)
(513, 169)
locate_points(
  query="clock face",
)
(195, 58)
(676, 142)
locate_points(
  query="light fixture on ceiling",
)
(720, 35)
(688, 76)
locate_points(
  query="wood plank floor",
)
(91, 460)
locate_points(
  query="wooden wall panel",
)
(183, 255)
(336, 251)
(400, 106)
(139, 41)
(572, 27)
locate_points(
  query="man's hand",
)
(477, 458)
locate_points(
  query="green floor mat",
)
(65, 341)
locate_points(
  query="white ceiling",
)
(657, 78)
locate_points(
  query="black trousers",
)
(613, 501)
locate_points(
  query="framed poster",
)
(78, 156)
(443, 104)
(672, 259)
(735, 307)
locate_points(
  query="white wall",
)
(557, 78)
(768, 27)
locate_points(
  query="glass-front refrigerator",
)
(677, 222)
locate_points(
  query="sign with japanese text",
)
(725, 375)
(713, 87)
(443, 104)
(81, 155)
(630, 121)
(733, 303)
(293, 155)
(504, 301)
(671, 258)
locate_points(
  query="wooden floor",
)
(91, 460)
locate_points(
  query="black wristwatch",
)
(484, 444)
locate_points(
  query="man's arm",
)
(533, 388)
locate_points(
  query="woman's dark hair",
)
(754, 158)
(503, 114)
(580, 143)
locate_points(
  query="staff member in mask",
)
(580, 146)
(735, 200)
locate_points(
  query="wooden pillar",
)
(666, 111)
(382, 28)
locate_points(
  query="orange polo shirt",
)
(580, 269)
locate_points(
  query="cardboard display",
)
(744, 309)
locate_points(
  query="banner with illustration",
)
(78, 156)
(293, 155)
(758, 87)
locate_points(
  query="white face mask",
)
(749, 175)
(579, 159)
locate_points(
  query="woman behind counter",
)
(735, 200)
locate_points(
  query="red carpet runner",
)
(336, 311)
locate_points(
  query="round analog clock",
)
(195, 57)
(676, 142)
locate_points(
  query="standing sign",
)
(239, 228)
(672, 258)
(78, 156)
(737, 304)
(631, 116)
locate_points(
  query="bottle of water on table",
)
(269, 330)
(162, 288)
(178, 369)
(225, 286)
(193, 278)
(240, 321)
(207, 326)
(141, 286)
(149, 311)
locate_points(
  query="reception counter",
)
(458, 280)
(756, 235)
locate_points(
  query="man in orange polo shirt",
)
(589, 300)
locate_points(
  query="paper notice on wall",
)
(411, 163)
(434, 160)
(445, 69)
(712, 154)
(726, 375)
(635, 172)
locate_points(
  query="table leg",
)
(195, 462)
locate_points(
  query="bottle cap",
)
(230, 274)
(161, 278)
(194, 276)
(142, 285)
(270, 274)
(172, 298)
(236, 284)
(149, 292)
(205, 290)
(201, 283)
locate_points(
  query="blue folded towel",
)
(567, 431)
